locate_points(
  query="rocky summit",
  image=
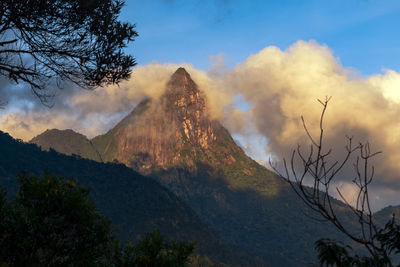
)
(175, 131)
(157, 133)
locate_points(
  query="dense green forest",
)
(135, 204)
(53, 222)
(251, 209)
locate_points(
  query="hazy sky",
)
(261, 65)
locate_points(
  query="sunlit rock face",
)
(172, 131)
(185, 106)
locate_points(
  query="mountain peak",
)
(181, 83)
(177, 132)
(183, 98)
(181, 71)
(181, 75)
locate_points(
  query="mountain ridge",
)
(74, 143)
(176, 131)
(174, 141)
(135, 204)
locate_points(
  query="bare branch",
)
(322, 171)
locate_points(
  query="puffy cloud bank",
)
(264, 95)
(283, 85)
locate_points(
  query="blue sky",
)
(363, 34)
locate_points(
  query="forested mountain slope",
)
(135, 204)
(174, 140)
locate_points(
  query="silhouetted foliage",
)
(152, 250)
(335, 253)
(79, 41)
(331, 253)
(53, 222)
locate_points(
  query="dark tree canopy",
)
(53, 222)
(153, 250)
(74, 40)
